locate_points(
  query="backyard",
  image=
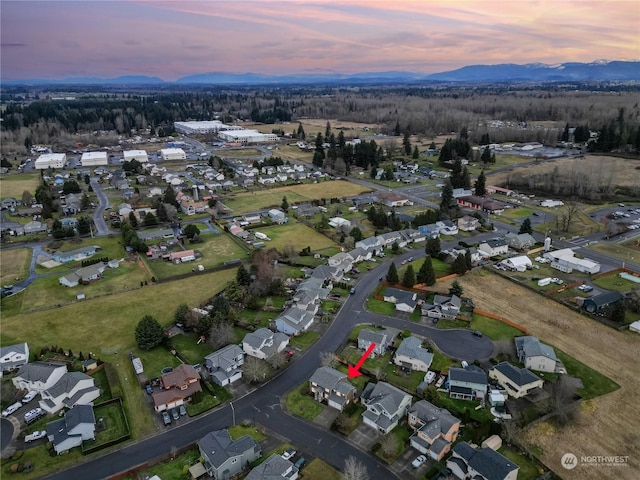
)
(295, 234)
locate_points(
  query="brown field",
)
(609, 424)
(625, 172)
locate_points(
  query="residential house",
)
(9, 203)
(177, 387)
(13, 356)
(467, 383)
(371, 244)
(73, 388)
(467, 462)
(277, 216)
(447, 227)
(520, 264)
(77, 425)
(313, 285)
(84, 275)
(392, 199)
(380, 337)
(306, 300)
(76, 254)
(443, 306)
(360, 254)
(34, 227)
(480, 203)
(330, 386)
(494, 247)
(414, 236)
(434, 429)
(325, 272)
(294, 321)
(404, 300)
(468, 223)
(385, 406)
(223, 365)
(411, 355)
(388, 239)
(598, 303)
(341, 260)
(224, 458)
(520, 241)
(39, 376)
(263, 343)
(536, 355)
(518, 382)
(182, 256)
(274, 468)
(461, 192)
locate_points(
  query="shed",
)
(494, 442)
(89, 364)
(635, 326)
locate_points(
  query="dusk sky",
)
(60, 39)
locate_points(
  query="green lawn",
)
(381, 307)
(627, 251)
(240, 430)
(305, 340)
(517, 213)
(175, 469)
(402, 434)
(187, 345)
(351, 355)
(615, 282)
(595, 384)
(296, 234)
(356, 331)
(111, 424)
(457, 407)
(528, 469)
(303, 404)
(43, 462)
(441, 362)
(154, 360)
(493, 328)
(12, 185)
(408, 381)
(444, 324)
(319, 470)
(212, 396)
(15, 265)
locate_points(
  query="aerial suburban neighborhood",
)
(243, 276)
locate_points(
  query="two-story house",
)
(330, 386)
(411, 355)
(73, 388)
(404, 300)
(385, 406)
(294, 321)
(435, 429)
(536, 355)
(274, 468)
(263, 343)
(77, 425)
(381, 338)
(467, 383)
(518, 382)
(223, 366)
(443, 306)
(13, 356)
(494, 247)
(224, 458)
(39, 376)
(177, 387)
(467, 462)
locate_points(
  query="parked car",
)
(37, 435)
(289, 453)
(183, 410)
(477, 333)
(33, 415)
(166, 418)
(352, 291)
(417, 463)
(300, 463)
(29, 396)
(175, 414)
(148, 388)
(11, 409)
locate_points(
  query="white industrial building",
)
(173, 154)
(53, 160)
(209, 126)
(93, 159)
(247, 136)
(139, 155)
(566, 261)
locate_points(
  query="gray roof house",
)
(404, 300)
(77, 425)
(34, 227)
(224, 365)
(313, 284)
(263, 343)
(435, 429)
(76, 254)
(480, 464)
(13, 356)
(518, 382)
(443, 306)
(294, 321)
(536, 355)
(381, 338)
(39, 376)
(224, 458)
(274, 468)
(73, 388)
(467, 383)
(84, 275)
(325, 272)
(371, 244)
(331, 386)
(385, 404)
(520, 241)
(410, 354)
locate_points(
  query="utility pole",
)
(233, 413)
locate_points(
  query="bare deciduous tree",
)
(389, 444)
(565, 406)
(568, 216)
(254, 369)
(277, 360)
(505, 347)
(328, 359)
(354, 469)
(221, 334)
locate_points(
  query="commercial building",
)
(209, 126)
(173, 154)
(51, 160)
(247, 136)
(139, 155)
(93, 159)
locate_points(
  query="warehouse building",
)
(93, 159)
(139, 155)
(173, 154)
(209, 126)
(53, 160)
(247, 136)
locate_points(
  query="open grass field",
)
(605, 426)
(613, 281)
(12, 185)
(261, 199)
(628, 251)
(110, 246)
(14, 264)
(293, 153)
(238, 152)
(296, 234)
(517, 213)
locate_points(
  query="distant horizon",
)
(56, 40)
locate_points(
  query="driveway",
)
(364, 437)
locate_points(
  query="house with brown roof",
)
(177, 386)
(182, 256)
(435, 429)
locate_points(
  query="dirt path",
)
(610, 424)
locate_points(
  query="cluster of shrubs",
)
(93, 261)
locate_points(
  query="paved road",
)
(98, 215)
(6, 432)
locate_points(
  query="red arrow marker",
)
(354, 371)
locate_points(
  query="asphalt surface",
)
(6, 432)
(98, 215)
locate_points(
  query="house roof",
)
(384, 397)
(327, 377)
(401, 296)
(296, 317)
(373, 336)
(325, 272)
(59, 429)
(519, 376)
(256, 339)
(495, 243)
(412, 347)
(605, 298)
(528, 346)
(219, 447)
(451, 299)
(164, 397)
(67, 383)
(180, 375)
(457, 374)
(273, 468)
(22, 348)
(39, 371)
(226, 355)
(485, 461)
(436, 420)
(77, 251)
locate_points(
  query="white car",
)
(29, 396)
(11, 409)
(417, 463)
(288, 454)
(37, 435)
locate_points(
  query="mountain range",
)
(507, 72)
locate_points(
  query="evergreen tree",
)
(395, 247)
(300, 134)
(447, 198)
(392, 274)
(456, 174)
(327, 130)
(243, 277)
(396, 129)
(84, 225)
(285, 204)
(526, 227)
(133, 220)
(409, 278)
(416, 153)
(150, 219)
(181, 314)
(426, 274)
(565, 134)
(406, 143)
(481, 185)
(456, 289)
(149, 333)
(85, 202)
(466, 178)
(356, 234)
(170, 197)
(467, 259)
(432, 247)
(191, 231)
(459, 265)
(486, 155)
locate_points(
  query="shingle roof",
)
(327, 377)
(528, 346)
(466, 375)
(17, 348)
(412, 347)
(39, 371)
(487, 462)
(436, 420)
(79, 414)
(67, 382)
(256, 339)
(219, 447)
(384, 397)
(273, 468)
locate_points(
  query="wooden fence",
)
(501, 319)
